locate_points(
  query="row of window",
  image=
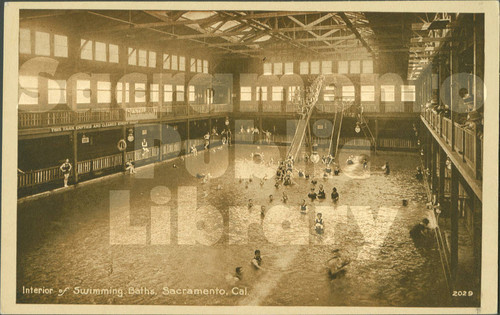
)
(56, 93)
(98, 51)
(44, 44)
(367, 93)
(319, 67)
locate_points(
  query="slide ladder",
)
(300, 132)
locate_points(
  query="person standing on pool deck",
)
(207, 140)
(66, 170)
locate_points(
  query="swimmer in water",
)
(335, 195)
(350, 160)
(257, 259)
(312, 195)
(262, 211)
(284, 197)
(250, 204)
(336, 171)
(318, 224)
(303, 207)
(365, 163)
(271, 198)
(301, 173)
(321, 192)
(386, 168)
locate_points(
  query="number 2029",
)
(463, 293)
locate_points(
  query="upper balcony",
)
(58, 118)
(463, 145)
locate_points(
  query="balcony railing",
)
(41, 176)
(462, 140)
(68, 117)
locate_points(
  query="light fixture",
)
(227, 121)
(357, 128)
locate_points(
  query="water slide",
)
(310, 101)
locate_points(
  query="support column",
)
(188, 145)
(124, 152)
(160, 141)
(260, 128)
(454, 221)
(376, 135)
(442, 180)
(75, 155)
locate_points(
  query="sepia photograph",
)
(244, 154)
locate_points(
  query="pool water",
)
(207, 230)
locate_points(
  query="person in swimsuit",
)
(257, 259)
(321, 192)
(66, 170)
(303, 207)
(335, 195)
(285, 197)
(312, 195)
(318, 223)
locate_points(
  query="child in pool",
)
(250, 203)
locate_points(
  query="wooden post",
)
(376, 135)
(75, 155)
(454, 221)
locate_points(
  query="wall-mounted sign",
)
(144, 132)
(85, 139)
(130, 136)
(92, 126)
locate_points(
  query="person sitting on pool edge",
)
(319, 224)
(130, 166)
(335, 195)
(312, 195)
(257, 259)
(321, 192)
